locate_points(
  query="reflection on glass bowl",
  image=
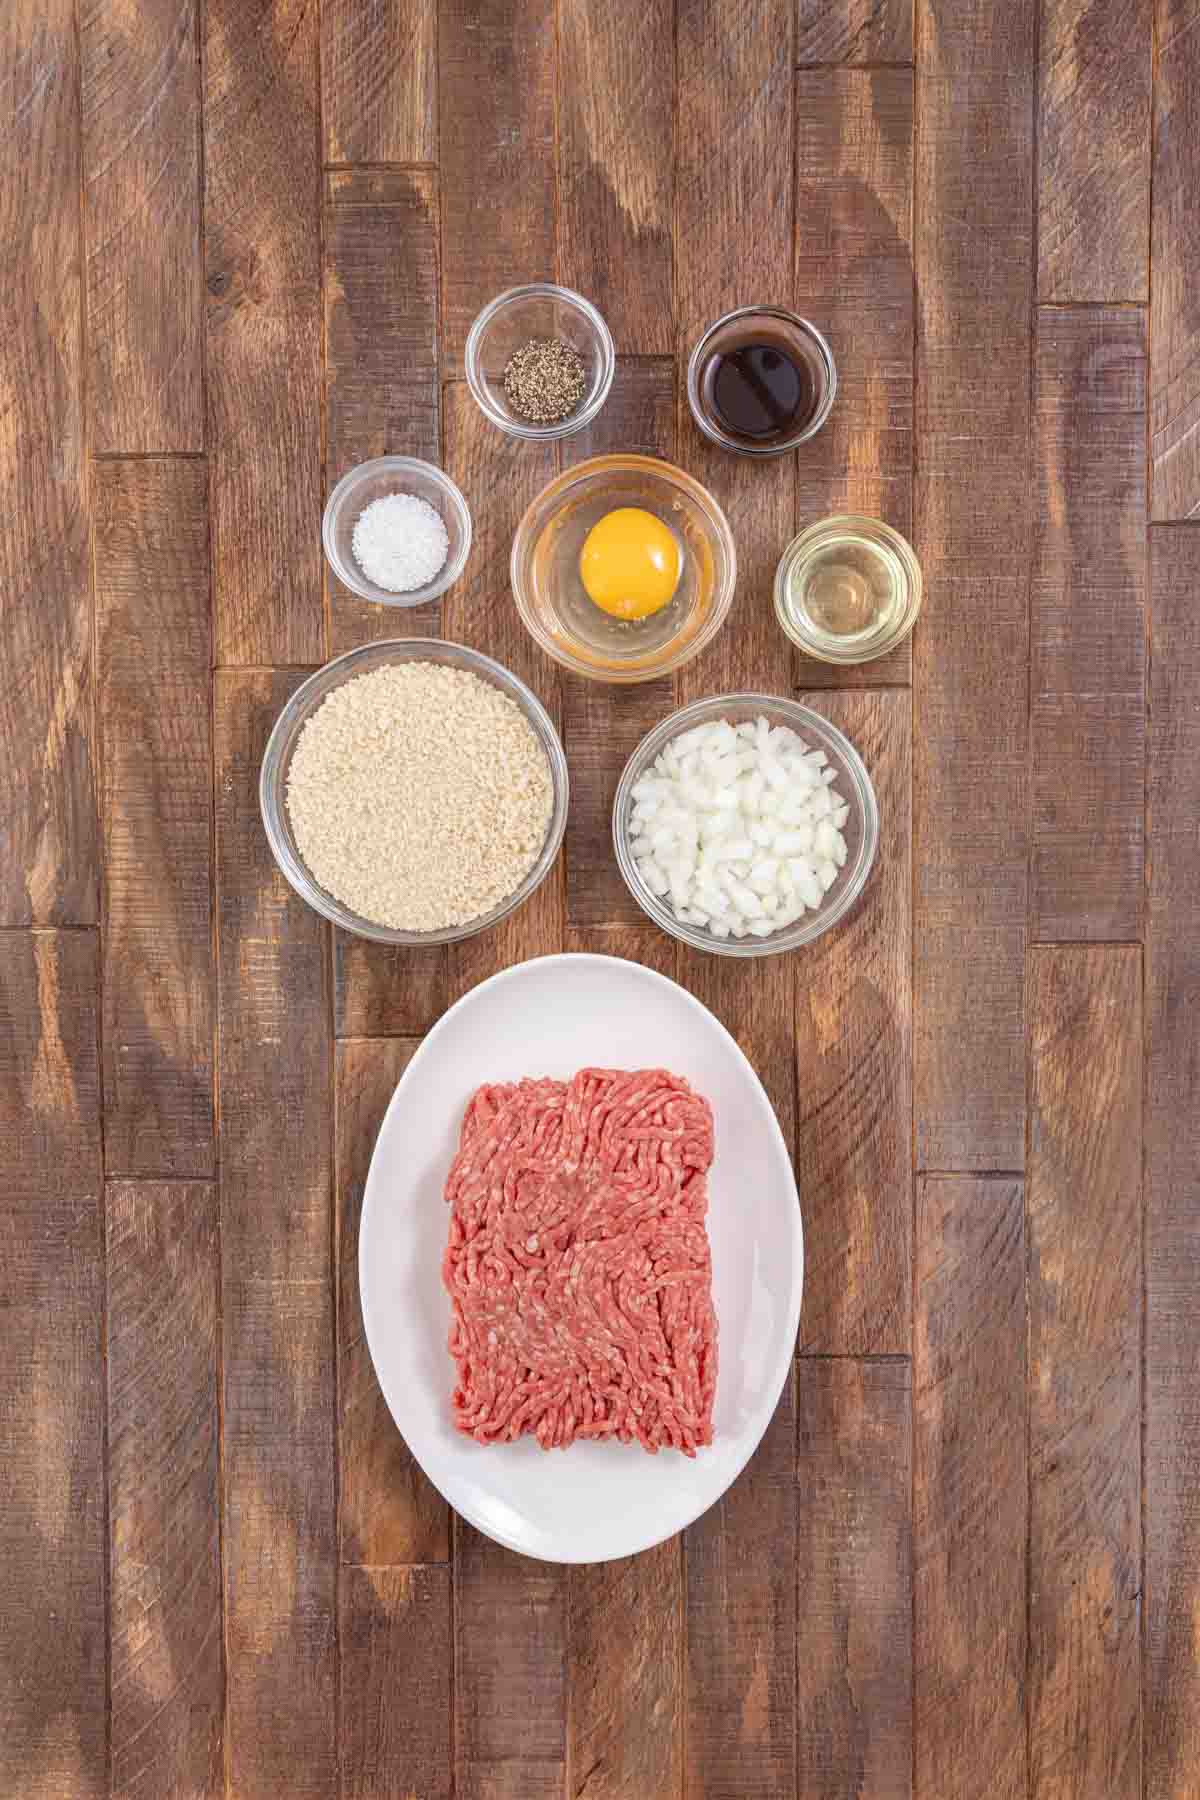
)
(549, 590)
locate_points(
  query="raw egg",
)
(630, 563)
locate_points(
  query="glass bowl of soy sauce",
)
(761, 380)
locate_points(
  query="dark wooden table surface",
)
(240, 247)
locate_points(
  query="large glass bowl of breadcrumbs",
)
(414, 791)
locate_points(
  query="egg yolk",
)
(630, 563)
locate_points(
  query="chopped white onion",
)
(739, 828)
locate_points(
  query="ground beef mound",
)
(578, 1262)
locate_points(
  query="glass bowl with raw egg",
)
(623, 568)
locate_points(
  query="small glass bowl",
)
(861, 830)
(550, 595)
(371, 481)
(874, 590)
(796, 336)
(272, 787)
(539, 310)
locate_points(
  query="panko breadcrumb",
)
(419, 796)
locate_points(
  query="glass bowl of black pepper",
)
(540, 361)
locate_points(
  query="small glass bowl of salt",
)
(396, 530)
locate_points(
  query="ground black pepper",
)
(545, 380)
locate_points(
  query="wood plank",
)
(636, 943)
(734, 162)
(140, 91)
(497, 69)
(275, 1084)
(970, 1501)
(616, 187)
(854, 280)
(854, 31)
(740, 1571)
(499, 478)
(970, 771)
(153, 646)
(603, 725)
(381, 362)
(1088, 619)
(1172, 1374)
(1094, 132)
(379, 81)
(262, 230)
(625, 1665)
(168, 1691)
(510, 1685)
(388, 1512)
(1174, 249)
(854, 1571)
(48, 873)
(381, 990)
(52, 1550)
(1085, 1390)
(395, 1683)
(854, 1070)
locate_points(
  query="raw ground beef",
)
(578, 1262)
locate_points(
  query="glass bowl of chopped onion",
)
(745, 825)
(414, 792)
(396, 530)
(564, 347)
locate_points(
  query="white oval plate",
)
(551, 1017)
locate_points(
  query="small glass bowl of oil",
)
(848, 589)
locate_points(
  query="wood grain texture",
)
(734, 161)
(854, 280)
(1084, 1201)
(970, 1500)
(379, 81)
(970, 771)
(1088, 622)
(395, 1684)
(276, 1129)
(1094, 95)
(52, 1550)
(509, 1661)
(388, 1512)
(381, 990)
(616, 165)
(740, 1569)
(153, 646)
(381, 361)
(48, 872)
(262, 203)
(854, 1070)
(636, 943)
(603, 724)
(140, 86)
(854, 31)
(1172, 1378)
(1174, 249)
(854, 1572)
(497, 71)
(625, 1668)
(168, 1695)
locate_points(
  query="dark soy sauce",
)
(757, 391)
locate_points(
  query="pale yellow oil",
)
(848, 591)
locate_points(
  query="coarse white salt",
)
(400, 542)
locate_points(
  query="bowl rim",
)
(711, 431)
(301, 705)
(802, 718)
(542, 290)
(352, 577)
(811, 535)
(579, 474)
